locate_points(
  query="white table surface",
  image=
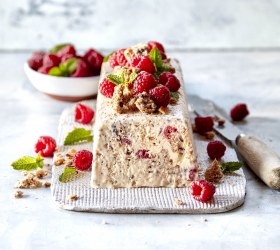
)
(33, 222)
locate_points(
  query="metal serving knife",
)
(258, 155)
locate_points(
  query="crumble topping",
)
(145, 104)
(213, 173)
(140, 49)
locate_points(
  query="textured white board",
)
(229, 194)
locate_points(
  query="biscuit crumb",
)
(179, 202)
(59, 161)
(29, 182)
(71, 153)
(72, 197)
(163, 110)
(221, 122)
(210, 135)
(41, 173)
(68, 163)
(145, 104)
(18, 194)
(213, 173)
(47, 184)
(58, 155)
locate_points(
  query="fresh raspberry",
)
(160, 95)
(168, 130)
(51, 60)
(239, 112)
(36, 60)
(143, 63)
(82, 160)
(44, 69)
(202, 190)
(204, 124)
(82, 69)
(94, 59)
(66, 50)
(45, 146)
(117, 58)
(83, 113)
(107, 88)
(170, 81)
(143, 154)
(216, 149)
(153, 44)
(144, 82)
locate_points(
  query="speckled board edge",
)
(229, 194)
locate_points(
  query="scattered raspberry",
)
(82, 69)
(202, 190)
(117, 59)
(94, 59)
(158, 45)
(170, 81)
(204, 124)
(82, 160)
(51, 60)
(143, 154)
(83, 113)
(144, 82)
(160, 95)
(239, 112)
(67, 50)
(143, 63)
(45, 146)
(44, 69)
(106, 88)
(36, 60)
(168, 131)
(216, 149)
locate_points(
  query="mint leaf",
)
(58, 47)
(28, 163)
(56, 71)
(106, 58)
(78, 135)
(115, 79)
(69, 66)
(175, 96)
(231, 166)
(132, 77)
(156, 57)
(68, 174)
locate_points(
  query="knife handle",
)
(261, 159)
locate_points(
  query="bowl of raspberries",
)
(63, 74)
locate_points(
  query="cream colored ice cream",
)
(143, 150)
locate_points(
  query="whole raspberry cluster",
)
(63, 61)
(150, 75)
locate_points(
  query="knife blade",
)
(258, 155)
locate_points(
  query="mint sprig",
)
(28, 163)
(174, 96)
(115, 79)
(125, 77)
(64, 69)
(78, 135)
(231, 166)
(58, 47)
(106, 58)
(156, 58)
(68, 174)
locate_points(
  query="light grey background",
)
(105, 24)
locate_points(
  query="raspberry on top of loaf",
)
(142, 80)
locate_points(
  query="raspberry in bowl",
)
(63, 74)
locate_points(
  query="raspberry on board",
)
(143, 63)
(202, 190)
(117, 58)
(144, 82)
(239, 112)
(216, 149)
(83, 113)
(82, 160)
(45, 146)
(160, 95)
(204, 124)
(170, 81)
(107, 88)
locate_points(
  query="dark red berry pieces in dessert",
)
(160, 95)
(204, 124)
(154, 44)
(83, 113)
(36, 60)
(168, 131)
(239, 112)
(51, 60)
(216, 149)
(82, 160)
(107, 88)
(143, 63)
(66, 50)
(45, 146)
(82, 69)
(170, 81)
(202, 190)
(144, 82)
(117, 59)
(94, 59)
(192, 174)
(143, 154)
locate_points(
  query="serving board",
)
(229, 194)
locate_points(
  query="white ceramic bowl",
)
(63, 88)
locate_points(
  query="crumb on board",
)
(179, 202)
(47, 184)
(18, 194)
(72, 197)
(30, 181)
(59, 161)
(41, 173)
(71, 153)
(210, 135)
